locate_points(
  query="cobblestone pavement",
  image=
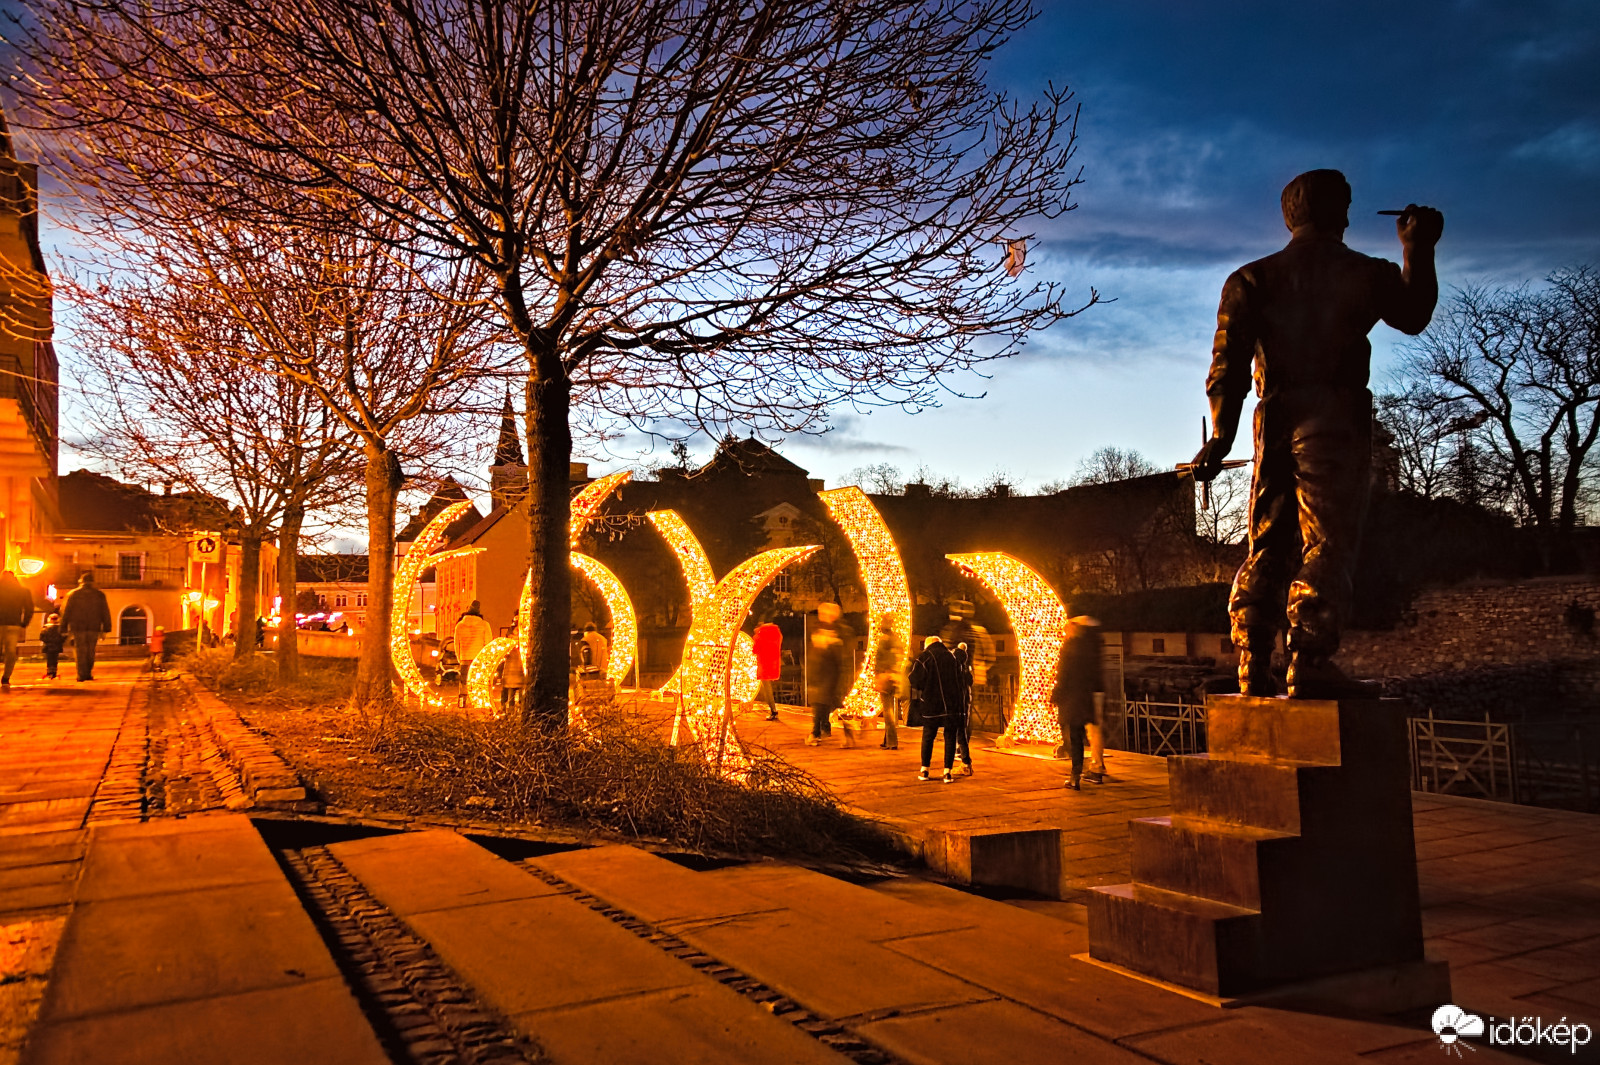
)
(117, 748)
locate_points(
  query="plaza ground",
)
(149, 913)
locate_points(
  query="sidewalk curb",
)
(268, 781)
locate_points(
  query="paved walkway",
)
(1511, 894)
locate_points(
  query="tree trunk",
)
(548, 397)
(288, 579)
(374, 674)
(244, 630)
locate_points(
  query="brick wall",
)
(1465, 629)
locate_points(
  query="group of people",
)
(590, 654)
(938, 688)
(84, 615)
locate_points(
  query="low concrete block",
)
(1029, 859)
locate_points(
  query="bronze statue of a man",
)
(1300, 317)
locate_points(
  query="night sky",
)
(1195, 115)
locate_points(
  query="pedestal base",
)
(1288, 859)
(1386, 989)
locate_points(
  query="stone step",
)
(1262, 794)
(1204, 944)
(188, 944)
(1209, 859)
(582, 986)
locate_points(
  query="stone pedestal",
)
(1288, 859)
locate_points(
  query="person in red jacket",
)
(769, 663)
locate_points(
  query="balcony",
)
(28, 414)
(112, 575)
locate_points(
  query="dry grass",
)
(617, 776)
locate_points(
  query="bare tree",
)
(1524, 363)
(166, 405)
(705, 209)
(371, 332)
(881, 478)
(1112, 464)
(1425, 423)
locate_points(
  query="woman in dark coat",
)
(937, 680)
(1078, 679)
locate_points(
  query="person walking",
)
(936, 679)
(85, 615)
(827, 672)
(1079, 679)
(52, 640)
(156, 645)
(472, 632)
(512, 679)
(768, 647)
(888, 663)
(16, 610)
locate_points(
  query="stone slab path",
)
(1511, 894)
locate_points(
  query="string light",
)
(1039, 620)
(415, 560)
(588, 500)
(706, 650)
(698, 575)
(888, 591)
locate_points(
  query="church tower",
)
(508, 474)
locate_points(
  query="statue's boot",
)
(1255, 668)
(1317, 677)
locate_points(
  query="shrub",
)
(217, 669)
(621, 775)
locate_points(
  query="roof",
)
(447, 493)
(94, 502)
(508, 451)
(331, 569)
(749, 457)
(1192, 608)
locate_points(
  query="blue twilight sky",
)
(1195, 114)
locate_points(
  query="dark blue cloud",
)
(1196, 114)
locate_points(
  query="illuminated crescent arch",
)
(416, 559)
(888, 591)
(712, 637)
(624, 622)
(1039, 620)
(697, 574)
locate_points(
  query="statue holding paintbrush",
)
(1296, 322)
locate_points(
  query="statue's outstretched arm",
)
(1410, 308)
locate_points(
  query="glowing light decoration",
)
(624, 623)
(588, 500)
(485, 669)
(702, 583)
(888, 591)
(416, 559)
(1039, 620)
(712, 637)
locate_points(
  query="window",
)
(361, 599)
(1000, 646)
(1158, 645)
(782, 584)
(130, 567)
(340, 599)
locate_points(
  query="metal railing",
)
(1454, 757)
(1163, 729)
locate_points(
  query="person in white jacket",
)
(472, 632)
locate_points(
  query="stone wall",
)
(1467, 628)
